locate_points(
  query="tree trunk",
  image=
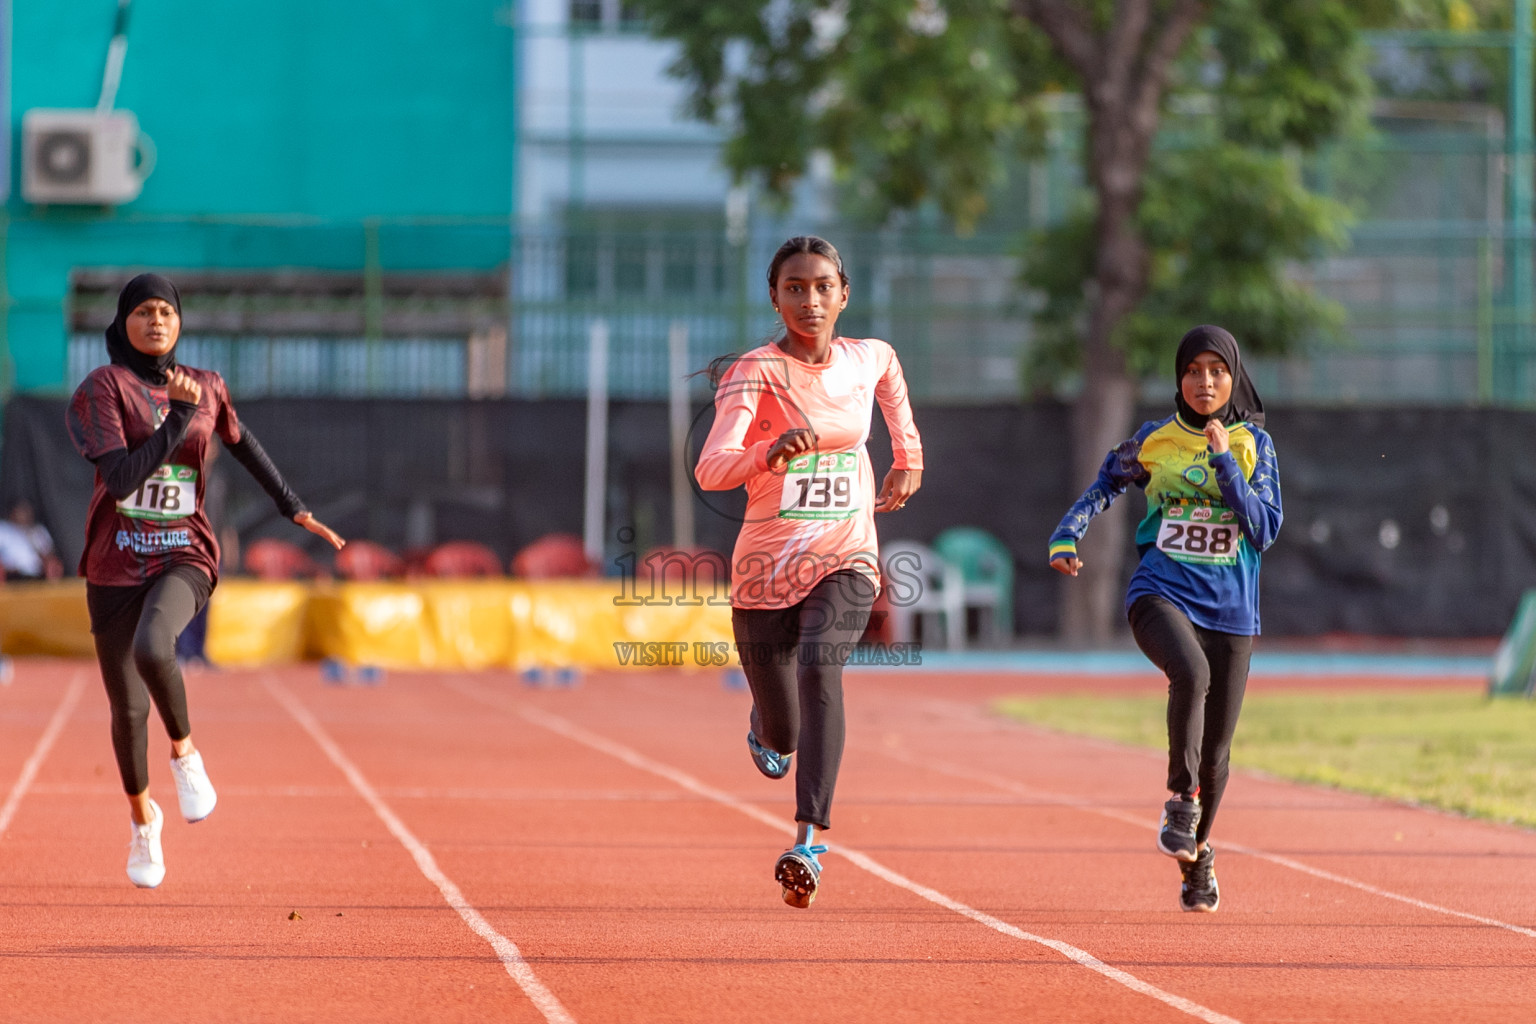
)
(1105, 411)
(1124, 71)
(1101, 419)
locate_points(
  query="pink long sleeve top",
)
(813, 515)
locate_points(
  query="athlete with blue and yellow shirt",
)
(1213, 505)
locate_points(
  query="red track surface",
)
(608, 833)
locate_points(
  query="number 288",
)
(1200, 540)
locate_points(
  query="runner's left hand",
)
(315, 526)
(900, 484)
(1216, 436)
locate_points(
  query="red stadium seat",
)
(364, 561)
(461, 559)
(415, 561)
(271, 559)
(554, 556)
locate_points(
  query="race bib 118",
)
(169, 493)
(820, 487)
(1203, 534)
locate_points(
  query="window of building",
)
(608, 15)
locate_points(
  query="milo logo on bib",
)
(169, 493)
(820, 487)
(1200, 534)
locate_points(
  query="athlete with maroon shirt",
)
(151, 560)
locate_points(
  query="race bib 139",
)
(820, 487)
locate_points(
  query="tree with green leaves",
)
(926, 101)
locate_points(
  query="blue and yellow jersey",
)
(1208, 519)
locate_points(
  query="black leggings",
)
(135, 632)
(1207, 673)
(794, 659)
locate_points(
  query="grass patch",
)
(1450, 749)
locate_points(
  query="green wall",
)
(280, 129)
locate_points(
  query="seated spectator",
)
(26, 547)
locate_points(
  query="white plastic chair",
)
(918, 582)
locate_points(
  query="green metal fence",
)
(1430, 284)
(260, 367)
(1427, 320)
(950, 306)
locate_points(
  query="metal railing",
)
(1428, 283)
(266, 367)
(1425, 320)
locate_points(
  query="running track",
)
(466, 848)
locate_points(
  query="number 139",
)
(824, 492)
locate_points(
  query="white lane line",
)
(568, 729)
(511, 958)
(1043, 796)
(1329, 876)
(40, 752)
(564, 796)
(415, 793)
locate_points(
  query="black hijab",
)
(1244, 406)
(150, 369)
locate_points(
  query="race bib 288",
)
(1200, 534)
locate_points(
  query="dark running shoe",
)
(1177, 836)
(770, 762)
(1199, 894)
(799, 872)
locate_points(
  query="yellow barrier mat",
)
(427, 624)
(45, 618)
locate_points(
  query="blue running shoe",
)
(799, 872)
(770, 762)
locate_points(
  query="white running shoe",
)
(193, 789)
(146, 861)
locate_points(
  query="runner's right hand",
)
(1066, 566)
(183, 387)
(790, 444)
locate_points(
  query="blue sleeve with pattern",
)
(1122, 468)
(1256, 500)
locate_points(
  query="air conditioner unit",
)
(81, 156)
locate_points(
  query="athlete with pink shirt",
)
(791, 422)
